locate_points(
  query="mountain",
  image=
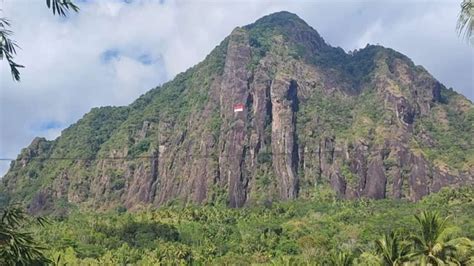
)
(368, 123)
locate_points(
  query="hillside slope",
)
(368, 124)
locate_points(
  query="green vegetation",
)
(322, 230)
(345, 118)
(139, 148)
(448, 132)
(17, 246)
(392, 249)
(333, 114)
(297, 35)
(435, 246)
(83, 139)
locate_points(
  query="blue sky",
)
(115, 50)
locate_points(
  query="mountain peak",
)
(290, 26)
(279, 18)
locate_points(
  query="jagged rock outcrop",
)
(368, 124)
(235, 90)
(284, 140)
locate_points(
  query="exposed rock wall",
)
(235, 90)
(284, 142)
(308, 121)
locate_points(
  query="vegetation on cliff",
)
(369, 124)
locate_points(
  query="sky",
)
(113, 51)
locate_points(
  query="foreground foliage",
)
(8, 46)
(17, 246)
(433, 243)
(323, 231)
(465, 24)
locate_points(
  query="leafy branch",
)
(16, 246)
(8, 46)
(61, 7)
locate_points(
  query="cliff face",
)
(368, 124)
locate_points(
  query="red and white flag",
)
(239, 107)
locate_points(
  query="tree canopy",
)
(321, 231)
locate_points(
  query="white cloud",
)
(369, 34)
(66, 73)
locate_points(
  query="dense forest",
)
(323, 230)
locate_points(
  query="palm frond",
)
(340, 258)
(465, 25)
(16, 246)
(393, 249)
(8, 48)
(61, 7)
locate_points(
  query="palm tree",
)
(465, 24)
(434, 244)
(393, 249)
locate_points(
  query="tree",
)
(465, 24)
(8, 46)
(18, 247)
(464, 253)
(434, 243)
(393, 249)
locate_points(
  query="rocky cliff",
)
(368, 123)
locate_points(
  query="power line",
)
(129, 158)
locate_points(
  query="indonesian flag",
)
(238, 107)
